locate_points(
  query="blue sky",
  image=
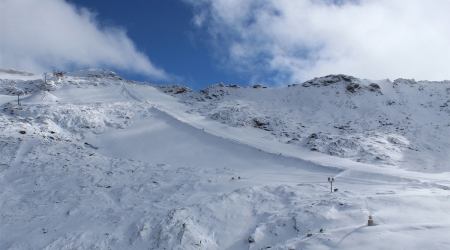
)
(164, 31)
(198, 43)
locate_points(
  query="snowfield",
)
(95, 161)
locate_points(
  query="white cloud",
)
(292, 41)
(39, 35)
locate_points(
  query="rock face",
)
(330, 79)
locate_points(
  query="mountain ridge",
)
(343, 109)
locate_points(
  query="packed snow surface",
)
(94, 161)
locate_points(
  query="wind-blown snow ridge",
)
(95, 161)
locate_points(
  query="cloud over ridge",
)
(291, 41)
(40, 35)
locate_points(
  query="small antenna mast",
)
(331, 179)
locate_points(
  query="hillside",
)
(379, 122)
(95, 161)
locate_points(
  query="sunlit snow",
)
(94, 161)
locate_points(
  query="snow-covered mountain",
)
(379, 122)
(94, 161)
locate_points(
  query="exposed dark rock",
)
(258, 86)
(313, 136)
(176, 89)
(259, 124)
(329, 79)
(375, 86)
(90, 145)
(353, 87)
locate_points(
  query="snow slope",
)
(401, 124)
(94, 161)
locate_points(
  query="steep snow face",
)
(402, 124)
(94, 161)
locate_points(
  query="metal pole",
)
(330, 179)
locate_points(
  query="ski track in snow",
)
(106, 163)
